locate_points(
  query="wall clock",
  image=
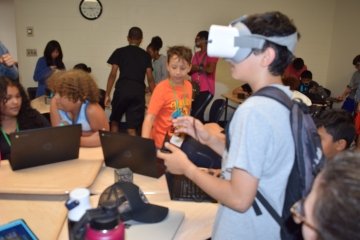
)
(90, 9)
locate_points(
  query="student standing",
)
(171, 97)
(351, 93)
(7, 64)
(261, 151)
(158, 60)
(203, 72)
(47, 64)
(133, 63)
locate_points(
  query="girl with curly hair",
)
(75, 101)
(16, 113)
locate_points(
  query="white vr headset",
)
(235, 42)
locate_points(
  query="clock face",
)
(90, 9)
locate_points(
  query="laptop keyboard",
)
(185, 189)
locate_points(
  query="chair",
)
(199, 105)
(31, 91)
(216, 110)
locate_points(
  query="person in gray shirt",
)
(260, 151)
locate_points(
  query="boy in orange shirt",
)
(171, 98)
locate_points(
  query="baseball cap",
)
(132, 204)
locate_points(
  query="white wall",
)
(326, 44)
(345, 44)
(7, 26)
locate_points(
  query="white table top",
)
(46, 214)
(42, 104)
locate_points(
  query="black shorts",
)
(133, 105)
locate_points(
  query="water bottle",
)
(105, 224)
(77, 204)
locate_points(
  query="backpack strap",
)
(281, 97)
(268, 207)
(276, 94)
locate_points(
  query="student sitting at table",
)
(245, 89)
(294, 83)
(75, 101)
(16, 113)
(337, 131)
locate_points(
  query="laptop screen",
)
(35, 147)
(122, 150)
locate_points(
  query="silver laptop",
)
(35, 147)
(139, 154)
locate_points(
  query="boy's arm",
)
(150, 79)
(147, 125)
(110, 83)
(210, 67)
(237, 193)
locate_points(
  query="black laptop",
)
(139, 154)
(35, 147)
(183, 189)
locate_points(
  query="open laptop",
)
(35, 147)
(183, 189)
(139, 154)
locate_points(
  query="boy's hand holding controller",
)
(176, 160)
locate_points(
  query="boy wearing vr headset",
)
(261, 150)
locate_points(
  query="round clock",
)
(90, 9)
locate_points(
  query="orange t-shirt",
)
(164, 102)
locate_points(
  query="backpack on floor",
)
(308, 161)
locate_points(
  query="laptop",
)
(139, 154)
(163, 230)
(36, 147)
(183, 189)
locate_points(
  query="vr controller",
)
(235, 42)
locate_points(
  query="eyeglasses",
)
(298, 213)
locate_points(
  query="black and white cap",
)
(132, 203)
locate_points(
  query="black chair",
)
(102, 98)
(216, 110)
(31, 91)
(199, 105)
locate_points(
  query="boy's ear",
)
(340, 145)
(268, 56)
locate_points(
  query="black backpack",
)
(308, 161)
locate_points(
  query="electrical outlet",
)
(31, 52)
(29, 31)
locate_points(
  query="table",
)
(53, 179)
(43, 207)
(42, 104)
(232, 97)
(199, 216)
(44, 217)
